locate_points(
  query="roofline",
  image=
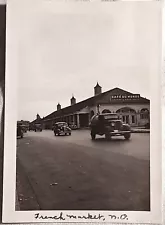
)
(93, 97)
(126, 102)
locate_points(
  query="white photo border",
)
(12, 66)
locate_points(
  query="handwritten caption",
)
(89, 216)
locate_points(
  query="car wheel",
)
(127, 136)
(69, 133)
(93, 135)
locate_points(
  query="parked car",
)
(61, 128)
(73, 126)
(109, 124)
(19, 131)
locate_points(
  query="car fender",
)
(126, 127)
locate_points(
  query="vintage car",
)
(61, 128)
(31, 127)
(73, 126)
(19, 131)
(38, 127)
(109, 124)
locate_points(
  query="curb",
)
(140, 131)
(132, 131)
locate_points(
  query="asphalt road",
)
(76, 173)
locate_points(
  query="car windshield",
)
(111, 117)
(61, 124)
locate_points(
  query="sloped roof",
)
(37, 121)
(92, 101)
(73, 108)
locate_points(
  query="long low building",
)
(132, 108)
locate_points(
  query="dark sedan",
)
(61, 128)
(109, 124)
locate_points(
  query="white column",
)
(78, 121)
(138, 119)
(73, 119)
(130, 119)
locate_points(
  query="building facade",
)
(38, 120)
(132, 108)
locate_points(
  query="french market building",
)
(132, 108)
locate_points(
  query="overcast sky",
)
(64, 54)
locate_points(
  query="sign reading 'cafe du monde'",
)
(125, 97)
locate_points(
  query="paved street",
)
(76, 173)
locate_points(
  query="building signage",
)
(124, 97)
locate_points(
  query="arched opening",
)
(125, 110)
(92, 113)
(128, 115)
(106, 111)
(144, 113)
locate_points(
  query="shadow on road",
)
(110, 140)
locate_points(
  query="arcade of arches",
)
(126, 114)
(131, 116)
(131, 108)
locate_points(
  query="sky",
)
(60, 54)
(2, 2)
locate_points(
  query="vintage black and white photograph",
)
(85, 110)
